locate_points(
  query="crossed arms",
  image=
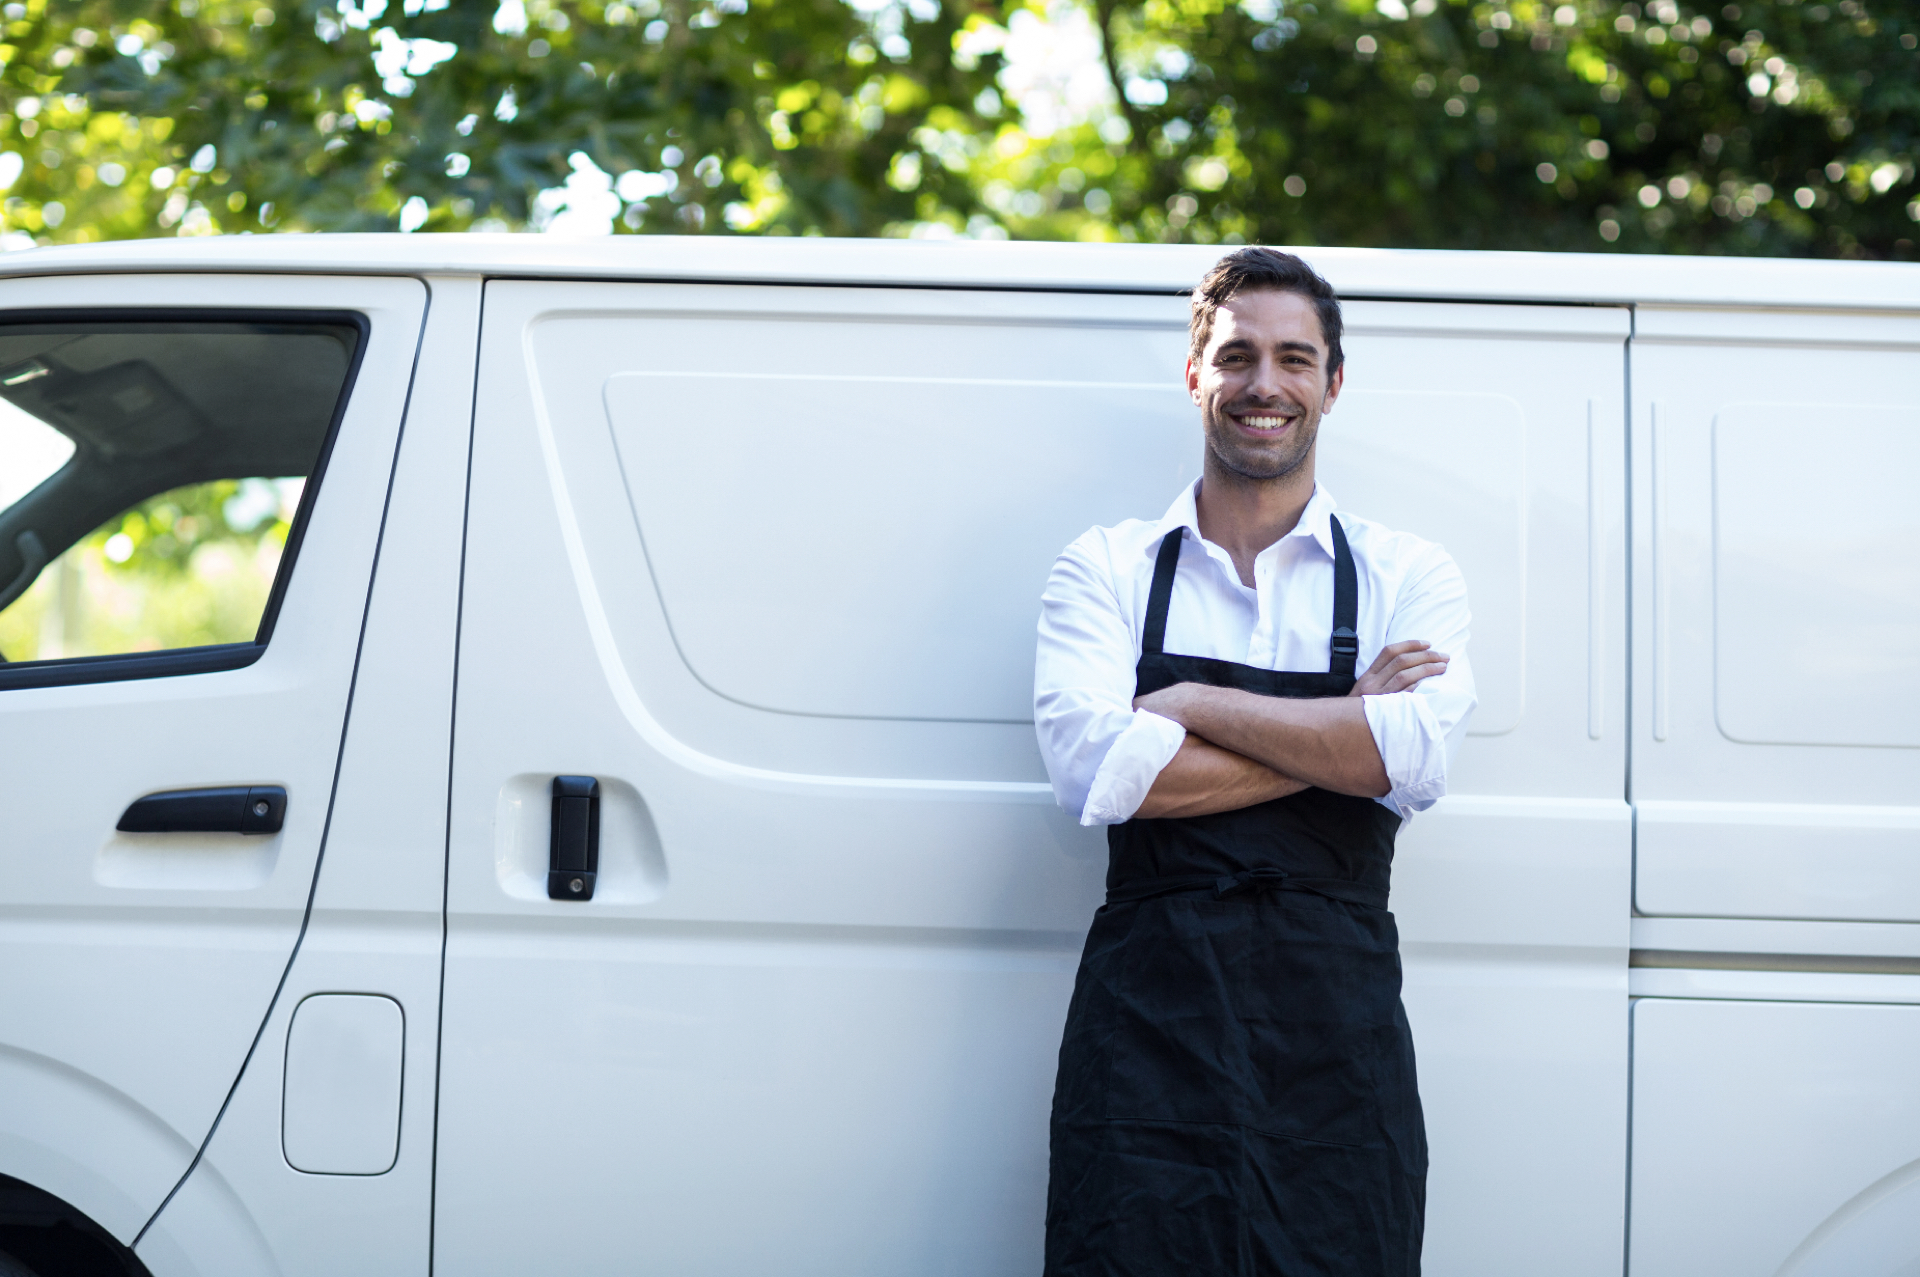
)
(1243, 748)
(1191, 750)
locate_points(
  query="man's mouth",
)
(1264, 423)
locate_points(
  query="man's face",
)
(1262, 384)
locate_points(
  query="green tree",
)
(1762, 126)
(1766, 126)
(781, 117)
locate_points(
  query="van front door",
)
(192, 475)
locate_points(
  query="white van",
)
(517, 755)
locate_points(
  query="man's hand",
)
(1398, 667)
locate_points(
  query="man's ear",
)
(1193, 381)
(1333, 388)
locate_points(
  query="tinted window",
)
(153, 480)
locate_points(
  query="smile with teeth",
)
(1264, 421)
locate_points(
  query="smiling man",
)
(1236, 1091)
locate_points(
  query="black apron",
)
(1236, 1092)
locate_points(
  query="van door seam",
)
(333, 790)
(453, 718)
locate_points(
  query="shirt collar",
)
(1184, 513)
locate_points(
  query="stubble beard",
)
(1254, 463)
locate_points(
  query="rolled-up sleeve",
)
(1418, 731)
(1102, 755)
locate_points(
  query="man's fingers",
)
(1432, 662)
(1394, 650)
(1407, 678)
(1399, 666)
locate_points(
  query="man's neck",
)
(1244, 516)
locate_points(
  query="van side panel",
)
(1773, 1135)
(1775, 773)
(766, 562)
(1779, 547)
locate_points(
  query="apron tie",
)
(1257, 881)
(1250, 880)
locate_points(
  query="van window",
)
(154, 475)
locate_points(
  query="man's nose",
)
(1265, 382)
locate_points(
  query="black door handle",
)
(244, 809)
(573, 857)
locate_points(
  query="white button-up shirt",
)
(1103, 755)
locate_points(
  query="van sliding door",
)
(764, 564)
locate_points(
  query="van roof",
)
(1594, 278)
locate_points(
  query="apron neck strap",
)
(1160, 597)
(1346, 605)
(1345, 645)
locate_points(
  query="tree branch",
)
(1136, 122)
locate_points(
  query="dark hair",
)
(1254, 269)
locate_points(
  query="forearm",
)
(1324, 742)
(1203, 779)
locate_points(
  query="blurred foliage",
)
(1771, 128)
(186, 568)
(311, 114)
(1760, 127)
